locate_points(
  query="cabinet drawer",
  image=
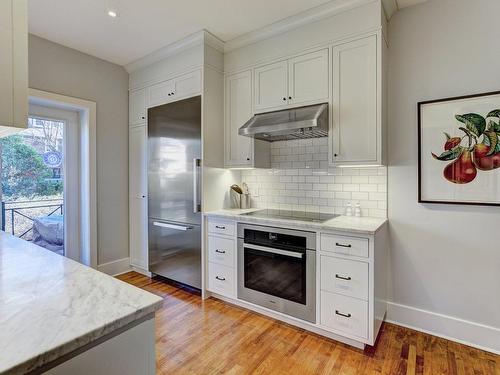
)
(347, 277)
(346, 245)
(222, 227)
(222, 280)
(221, 251)
(344, 314)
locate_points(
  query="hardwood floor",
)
(213, 337)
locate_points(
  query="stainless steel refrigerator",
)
(174, 195)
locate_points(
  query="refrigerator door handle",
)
(171, 226)
(196, 204)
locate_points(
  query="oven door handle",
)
(273, 250)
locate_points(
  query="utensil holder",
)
(245, 201)
(235, 199)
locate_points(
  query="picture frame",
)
(459, 150)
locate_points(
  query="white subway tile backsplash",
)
(302, 180)
(343, 179)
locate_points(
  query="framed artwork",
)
(459, 150)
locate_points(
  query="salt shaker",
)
(348, 209)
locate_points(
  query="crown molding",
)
(213, 41)
(311, 15)
(390, 7)
(198, 38)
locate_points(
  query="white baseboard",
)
(115, 267)
(448, 327)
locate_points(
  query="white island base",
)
(130, 351)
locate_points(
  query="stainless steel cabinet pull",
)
(219, 227)
(342, 277)
(341, 245)
(196, 188)
(220, 251)
(344, 315)
(171, 226)
(220, 278)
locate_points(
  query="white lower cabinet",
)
(221, 256)
(221, 251)
(222, 279)
(350, 280)
(347, 277)
(345, 314)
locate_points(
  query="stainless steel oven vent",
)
(297, 123)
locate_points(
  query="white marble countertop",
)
(351, 224)
(51, 305)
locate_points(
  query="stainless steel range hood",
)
(297, 123)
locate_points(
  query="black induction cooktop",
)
(315, 217)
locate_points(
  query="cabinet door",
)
(160, 93)
(138, 202)
(308, 78)
(13, 65)
(238, 110)
(271, 91)
(356, 128)
(137, 107)
(187, 85)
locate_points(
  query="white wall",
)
(301, 180)
(445, 259)
(62, 70)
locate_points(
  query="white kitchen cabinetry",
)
(221, 250)
(271, 86)
(356, 137)
(137, 107)
(241, 151)
(297, 81)
(13, 66)
(238, 110)
(351, 279)
(181, 87)
(138, 201)
(352, 284)
(308, 78)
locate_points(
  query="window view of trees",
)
(32, 184)
(31, 161)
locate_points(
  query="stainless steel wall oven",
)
(277, 269)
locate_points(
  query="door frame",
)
(71, 168)
(87, 117)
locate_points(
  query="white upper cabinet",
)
(178, 88)
(13, 66)
(271, 86)
(187, 85)
(238, 110)
(241, 151)
(297, 81)
(137, 107)
(160, 93)
(308, 78)
(356, 138)
(138, 201)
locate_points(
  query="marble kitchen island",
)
(58, 316)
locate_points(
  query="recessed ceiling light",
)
(112, 13)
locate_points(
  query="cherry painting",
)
(475, 150)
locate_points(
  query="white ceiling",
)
(143, 26)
